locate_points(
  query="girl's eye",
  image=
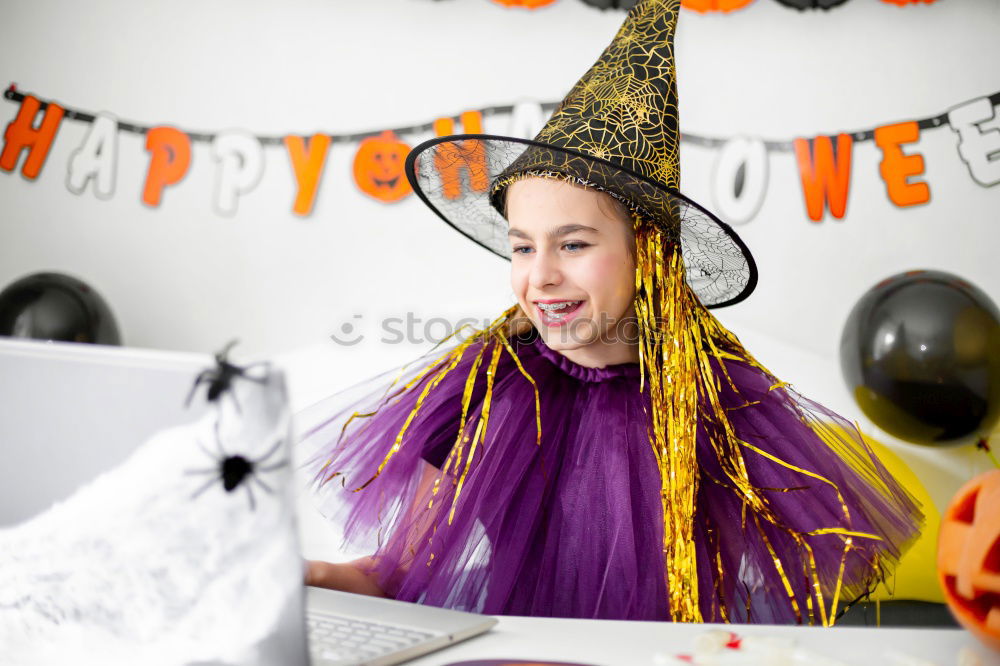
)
(570, 247)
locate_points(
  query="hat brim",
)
(456, 176)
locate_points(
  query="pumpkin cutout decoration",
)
(969, 557)
(378, 167)
(524, 4)
(702, 6)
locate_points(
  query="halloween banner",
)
(702, 6)
(739, 180)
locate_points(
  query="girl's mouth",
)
(553, 316)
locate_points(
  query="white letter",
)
(738, 197)
(976, 146)
(241, 165)
(526, 120)
(96, 158)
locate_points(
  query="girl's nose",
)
(544, 271)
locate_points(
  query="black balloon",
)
(921, 353)
(610, 4)
(811, 4)
(53, 306)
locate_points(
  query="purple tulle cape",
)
(573, 526)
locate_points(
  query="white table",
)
(619, 643)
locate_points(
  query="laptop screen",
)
(71, 411)
(132, 525)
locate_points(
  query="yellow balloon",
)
(915, 577)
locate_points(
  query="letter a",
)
(96, 159)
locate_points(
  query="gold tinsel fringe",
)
(678, 341)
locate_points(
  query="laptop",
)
(139, 529)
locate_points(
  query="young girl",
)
(605, 448)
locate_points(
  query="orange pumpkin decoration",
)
(378, 167)
(526, 4)
(702, 6)
(969, 557)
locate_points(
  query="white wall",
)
(183, 277)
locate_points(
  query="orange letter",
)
(21, 134)
(450, 159)
(825, 177)
(169, 157)
(307, 164)
(896, 166)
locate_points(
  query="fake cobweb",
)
(139, 567)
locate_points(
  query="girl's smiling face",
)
(573, 268)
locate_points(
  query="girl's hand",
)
(346, 577)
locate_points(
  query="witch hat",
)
(616, 131)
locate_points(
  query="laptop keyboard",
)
(345, 640)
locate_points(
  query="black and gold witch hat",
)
(616, 131)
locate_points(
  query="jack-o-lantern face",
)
(378, 167)
(969, 557)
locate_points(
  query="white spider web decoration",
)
(132, 568)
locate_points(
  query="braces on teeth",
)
(552, 307)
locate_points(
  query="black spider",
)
(234, 470)
(220, 378)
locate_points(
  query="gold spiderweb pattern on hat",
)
(624, 109)
(616, 131)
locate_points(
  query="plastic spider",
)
(236, 470)
(220, 378)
